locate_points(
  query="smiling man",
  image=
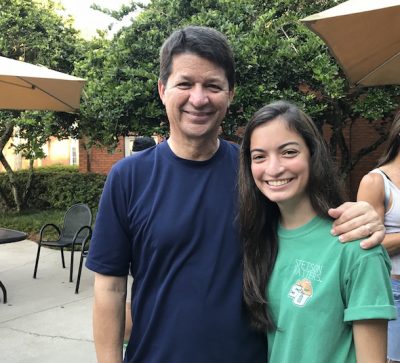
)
(168, 214)
(196, 96)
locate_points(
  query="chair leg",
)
(37, 260)
(78, 278)
(4, 292)
(71, 268)
(62, 257)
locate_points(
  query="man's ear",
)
(161, 91)
(231, 95)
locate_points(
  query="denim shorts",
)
(393, 352)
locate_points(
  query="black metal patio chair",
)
(76, 231)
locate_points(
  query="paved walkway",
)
(44, 320)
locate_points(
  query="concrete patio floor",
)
(44, 320)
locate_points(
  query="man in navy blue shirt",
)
(168, 214)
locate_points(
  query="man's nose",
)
(198, 96)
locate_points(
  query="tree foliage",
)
(35, 33)
(276, 57)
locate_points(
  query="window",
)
(74, 152)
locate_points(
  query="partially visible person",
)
(167, 215)
(319, 300)
(142, 143)
(381, 188)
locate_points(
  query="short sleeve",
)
(368, 292)
(110, 248)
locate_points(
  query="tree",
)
(35, 33)
(276, 57)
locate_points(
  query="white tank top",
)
(392, 215)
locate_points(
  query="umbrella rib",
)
(377, 68)
(33, 86)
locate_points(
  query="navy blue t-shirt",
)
(173, 221)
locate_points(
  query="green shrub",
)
(57, 168)
(31, 221)
(54, 188)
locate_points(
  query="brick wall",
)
(99, 160)
(360, 134)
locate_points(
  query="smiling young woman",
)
(301, 285)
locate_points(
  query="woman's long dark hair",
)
(259, 216)
(393, 142)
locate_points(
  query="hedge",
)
(54, 188)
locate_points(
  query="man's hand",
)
(356, 220)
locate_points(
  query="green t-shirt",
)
(317, 288)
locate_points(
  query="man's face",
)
(196, 97)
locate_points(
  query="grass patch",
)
(31, 221)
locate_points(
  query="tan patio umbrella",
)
(364, 37)
(24, 86)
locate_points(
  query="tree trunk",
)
(88, 148)
(28, 185)
(337, 141)
(11, 176)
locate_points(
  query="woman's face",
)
(280, 163)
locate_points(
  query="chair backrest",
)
(76, 217)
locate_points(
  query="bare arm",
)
(109, 317)
(356, 220)
(392, 243)
(371, 190)
(370, 339)
(128, 322)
